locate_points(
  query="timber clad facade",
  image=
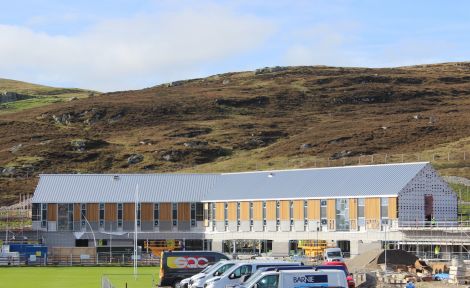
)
(210, 207)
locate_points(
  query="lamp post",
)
(385, 228)
(92, 233)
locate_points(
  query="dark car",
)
(177, 265)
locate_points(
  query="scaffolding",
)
(16, 219)
(158, 246)
(437, 240)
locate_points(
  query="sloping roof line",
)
(311, 183)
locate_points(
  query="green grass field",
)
(75, 277)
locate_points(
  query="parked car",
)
(197, 281)
(333, 254)
(177, 265)
(237, 273)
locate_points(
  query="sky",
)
(110, 45)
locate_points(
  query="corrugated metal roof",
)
(351, 181)
(335, 182)
(95, 188)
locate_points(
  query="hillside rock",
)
(135, 158)
(86, 144)
(6, 97)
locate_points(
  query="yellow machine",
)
(158, 246)
(312, 248)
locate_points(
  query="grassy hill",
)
(33, 95)
(273, 118)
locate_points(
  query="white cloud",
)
(132, 52)
(323, 45)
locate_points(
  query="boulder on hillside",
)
(135, 158)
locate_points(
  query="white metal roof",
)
(333, 182)
(120, 188)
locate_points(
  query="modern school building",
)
(269, 212)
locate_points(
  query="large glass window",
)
(83, 215)
(156, 214)
(264, 213)
(199, 212)
(226, 215)
(360, 212)
(101, 215)
(64, 217)
(174, 214)
(324, 220)
(36, 213)
(138, 214)
(278, 214)
(43, 215)
(291, 213)
(342, 214)
(119, 215)
(238, 214)
(384, 208)
(193, 214)
(251, 214)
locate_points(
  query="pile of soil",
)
(394, 257)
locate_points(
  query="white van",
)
(185, 282)
(198, 280)
(298, 279)
(333, 254)
(237, 273)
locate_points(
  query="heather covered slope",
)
(272, 118)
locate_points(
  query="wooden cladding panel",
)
(314, 210)
(51, 212)
(270, 210)
(285, 210)
(245, 211)
(146, 212)
(258, 210)
(76, 212)
(110, 212)
(372, 208)
(331, 209)
(352, 208)
(298, 210)
(219, 211)
(184, 212)
(392, 208)
(129, 211)
(232, 211)
(92, 212)
(165, 211)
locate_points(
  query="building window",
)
(238, 214)
(199, 212)
(278, 214)
(64, 217)
(291, 213)
(43, 215)
(305, 214)
(384, 208)
(251, 215)
(323, 204)
(226, 215)
(36, 213)
(193, 214)
(138, 214)
(264, 213)
(83, 215)
(360, 212)
(342, 214)
(119, 215)
(174, 214)
(213, 216)
(156, 214)
(101, 215)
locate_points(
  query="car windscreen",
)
(334, 254)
